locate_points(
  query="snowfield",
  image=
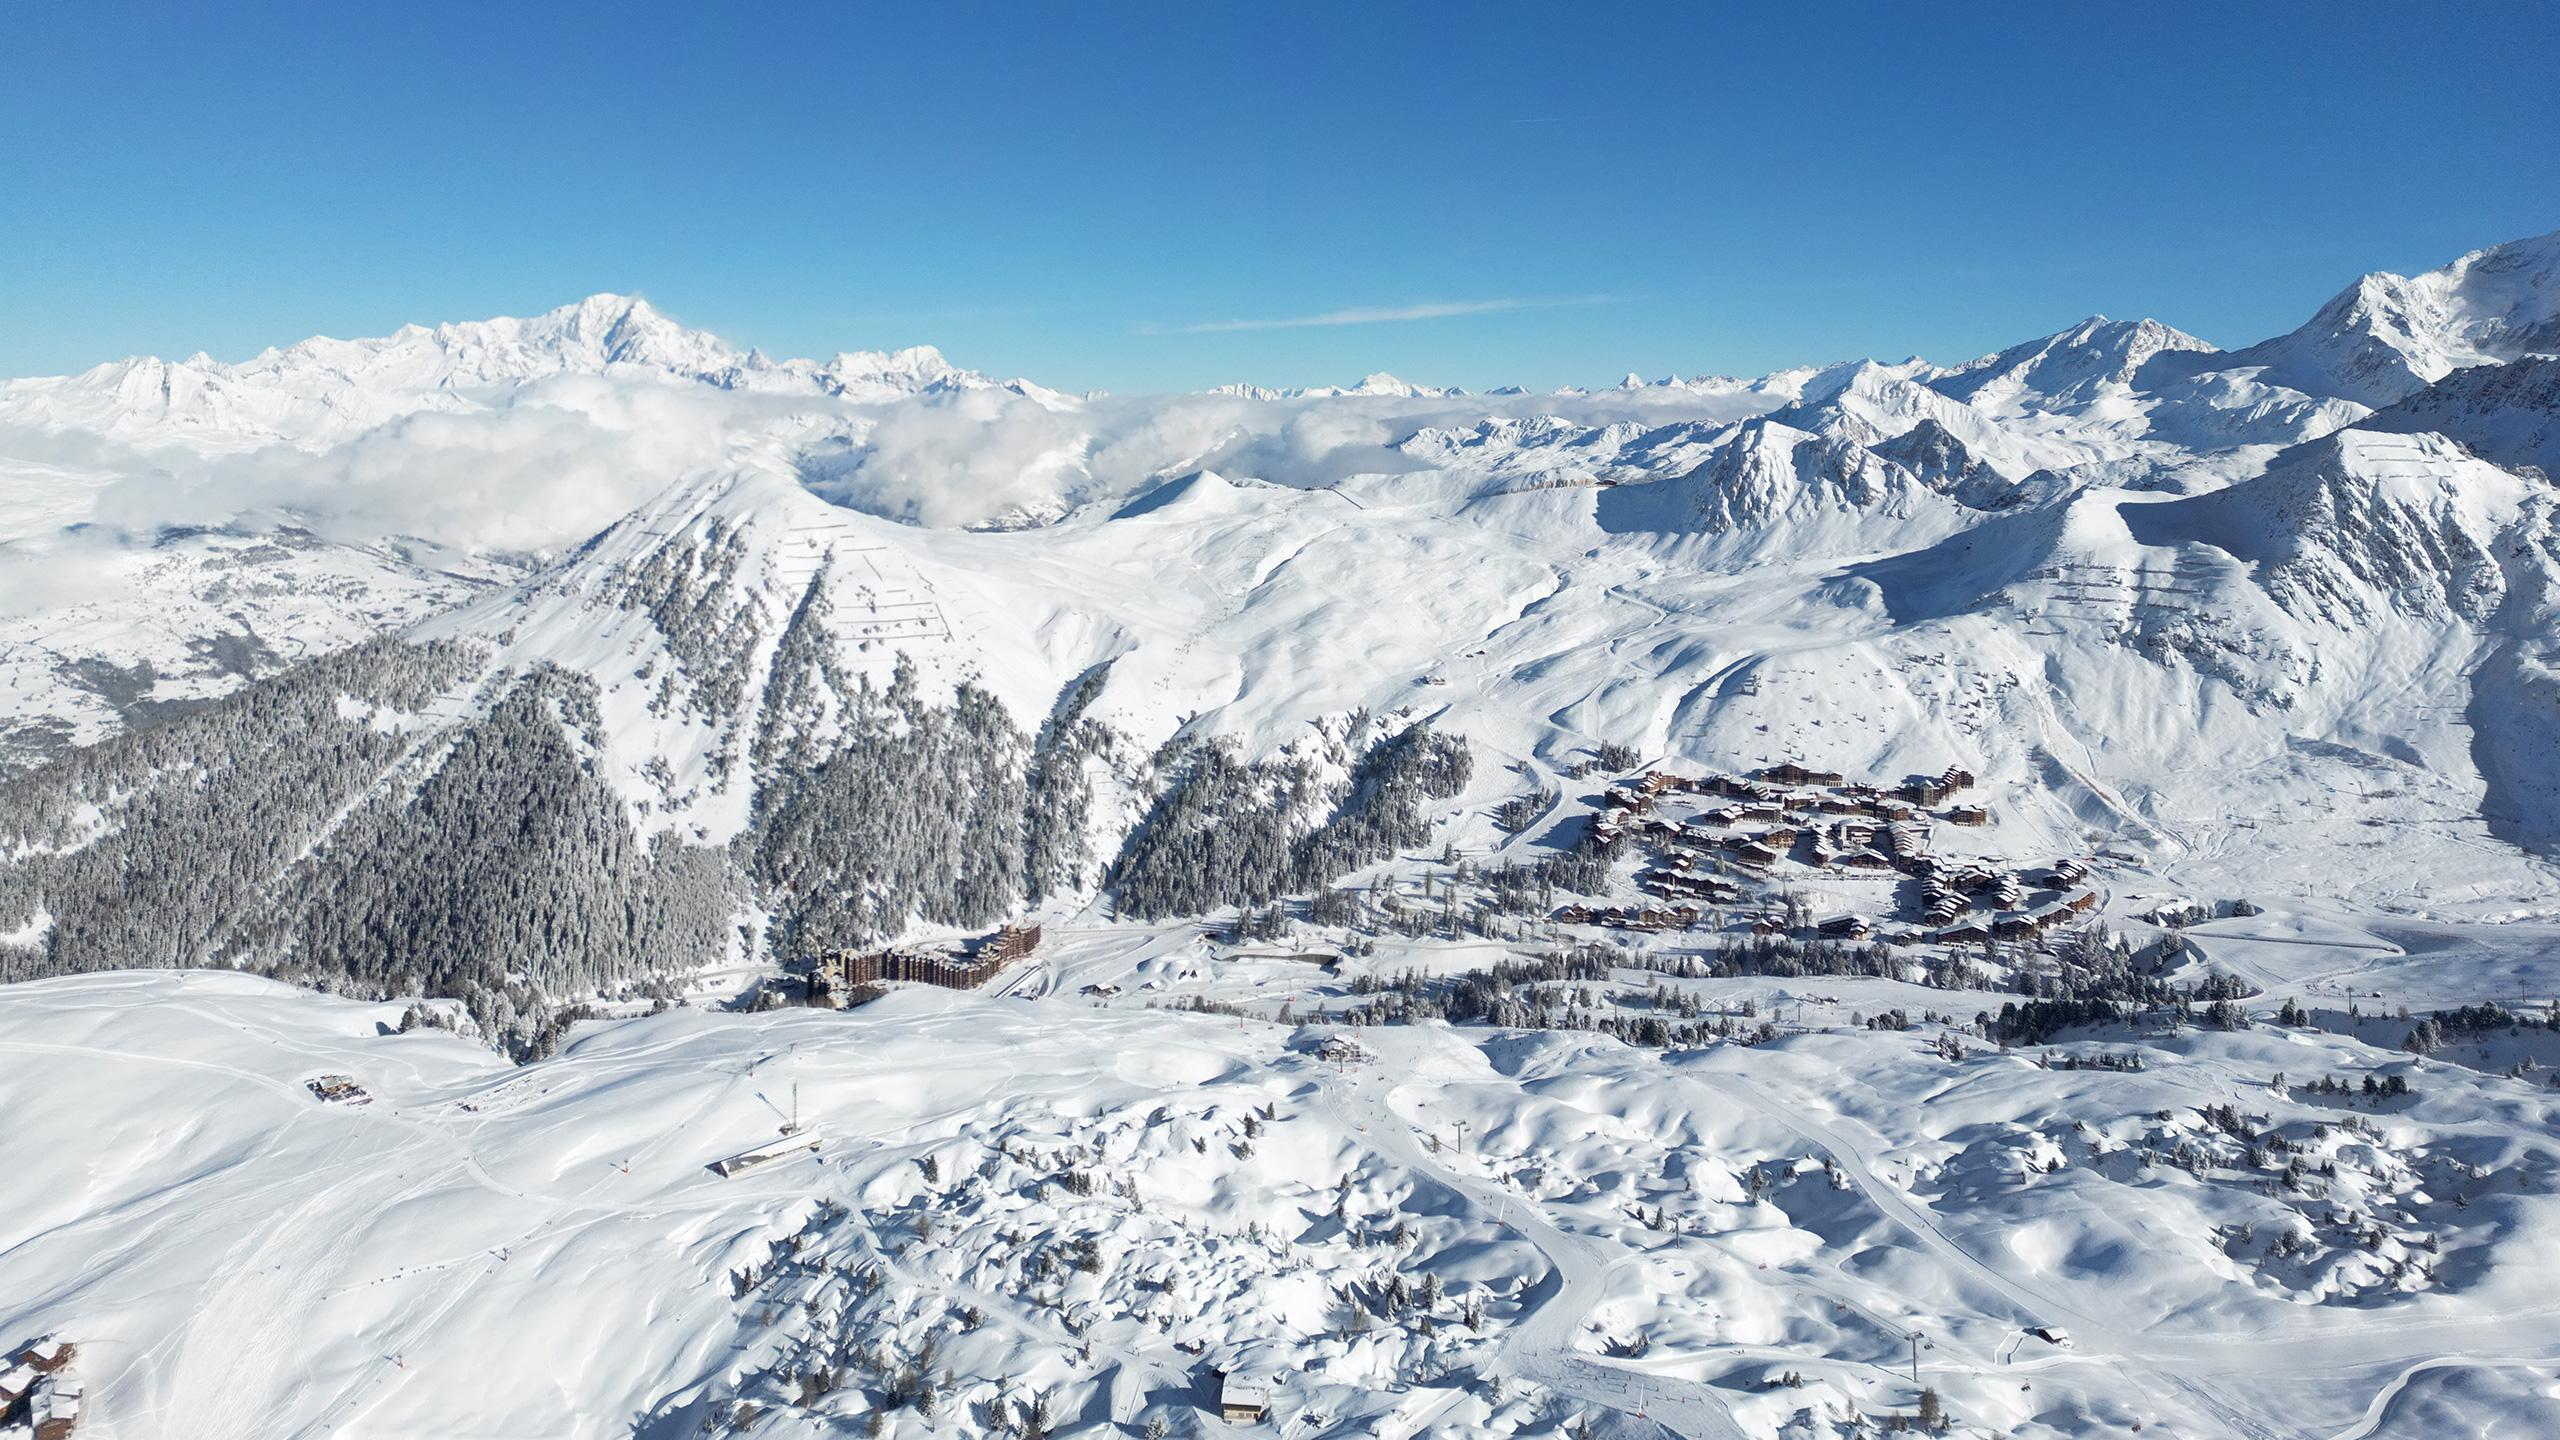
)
(1418, 1229)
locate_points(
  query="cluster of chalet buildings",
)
(1950, 891)
(1840, 825)
(1781, 793)
(39, 1399)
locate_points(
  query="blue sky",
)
(1127, 197)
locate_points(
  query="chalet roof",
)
(1245, 1389)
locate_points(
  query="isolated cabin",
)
(1244, 1399)
(341, 1088)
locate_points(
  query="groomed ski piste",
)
(1086, 1203)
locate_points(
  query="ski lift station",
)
(780, 1148)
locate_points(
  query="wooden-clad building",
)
(1009, 944)
(55, 1407)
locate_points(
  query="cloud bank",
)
(1376, 315)
(560, 459)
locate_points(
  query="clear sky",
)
(1139, 198)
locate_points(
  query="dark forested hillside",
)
(508, 859)
(1230, 831)
(401, 818)
(160, 847)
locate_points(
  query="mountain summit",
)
(2386, 337)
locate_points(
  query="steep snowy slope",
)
(2276, 676)
(2388, 336)
(2508, 414)
(1873, 403)
(2077, 367)
(2120, 388)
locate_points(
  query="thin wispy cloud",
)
(1372, 315)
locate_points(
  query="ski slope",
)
(481, 1249)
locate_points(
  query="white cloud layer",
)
(563, 458)
(1379, 315)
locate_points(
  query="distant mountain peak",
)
(320, 390)
(2386, 336)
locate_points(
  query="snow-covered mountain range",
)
(320, 390)
(2163, 589)
(531, 678)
